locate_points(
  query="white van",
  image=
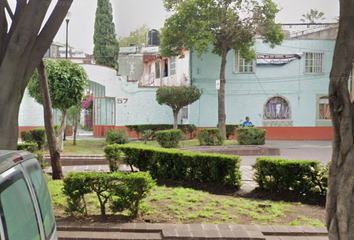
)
(26, 211)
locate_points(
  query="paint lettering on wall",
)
(122, 100)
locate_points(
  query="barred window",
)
(324, 112)
(314, 63)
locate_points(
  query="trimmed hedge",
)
(112, 154)
(251, 136)
(30, 147)
(210, 136)
(169, 138)
(278, 175)
(120, 190)
(140, 129)
(182, 165)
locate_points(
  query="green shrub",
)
(39, 136)
(230, 129)
(130, 194)
(169, 138)
(75, 186)
(104, 186)
(210, 136)
(26, 137)
(40, 158)
(112, 154)
(188, 129)
(116, 136)
(140, 129)
(185, 166)
(251, 136)
(123, 192)
(137, 156)
(30, 147)
(281, 174)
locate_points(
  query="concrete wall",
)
(246, 94)
(131, 66)
(31, 113)
(134, 104)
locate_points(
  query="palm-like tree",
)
(313, 16)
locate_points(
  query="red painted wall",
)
(273, 133)
(299, 133)
(69, 130)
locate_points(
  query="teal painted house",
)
(285, 86)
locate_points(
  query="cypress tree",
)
(106, 44)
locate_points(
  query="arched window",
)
(276, 108)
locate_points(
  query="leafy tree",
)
(177, 98)
(67, 81)
(23, 44)
(74, 114)
(223, 24)
(340, 195)
(313, 16)
(137, 37)
(106, 45)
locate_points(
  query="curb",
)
(67, 230)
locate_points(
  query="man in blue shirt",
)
(247, 123)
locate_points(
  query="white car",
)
(26, 211)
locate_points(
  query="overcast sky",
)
(130, 14)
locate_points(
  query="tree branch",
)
(45, 38)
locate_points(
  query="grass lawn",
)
(96, 146)
(185, 205)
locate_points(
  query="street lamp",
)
(67, 34)
(66, 48)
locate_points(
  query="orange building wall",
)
(273, 133)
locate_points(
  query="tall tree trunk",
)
(340, 195)
(75, 132)
(175, 119)
(49, 127)
(60, 143)
(221, 102)
(9, 123)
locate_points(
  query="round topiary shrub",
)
(116, 136)
(169, 138)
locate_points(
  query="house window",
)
(324, 112)
(184, 112)
(277, 108)
(173, 66)
(314, 63)
(243, 66)
(157, 69)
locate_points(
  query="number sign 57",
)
(122, 100)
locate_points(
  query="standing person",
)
(247, 123)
